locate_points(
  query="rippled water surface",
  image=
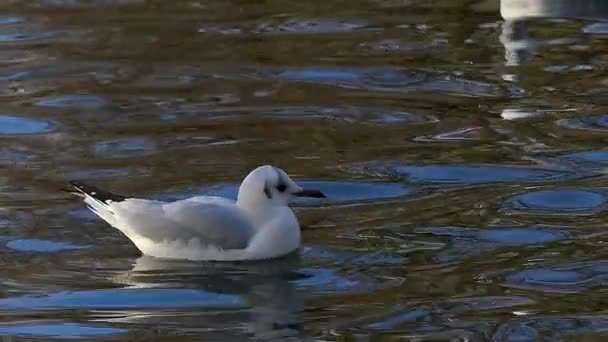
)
(461, 143)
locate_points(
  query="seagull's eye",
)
(281, 187)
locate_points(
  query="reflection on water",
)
(58, 330)
(465, 174)
(17, 125)
(559, 201)
(519, 45)
(36, 245)
(460, 143)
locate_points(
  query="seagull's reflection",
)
(516, 13)
(266, 288)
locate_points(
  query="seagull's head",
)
(269, 185)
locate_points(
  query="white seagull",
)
(259, 225)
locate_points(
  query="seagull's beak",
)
(309, 193)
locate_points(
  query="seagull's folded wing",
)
(212, 220)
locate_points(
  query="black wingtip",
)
(80, 188)
(70, 190)
(77, 184)
(76, 187)
(74, 190)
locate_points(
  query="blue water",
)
(16, 125)
(461, 146)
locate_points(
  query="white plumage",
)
(259, 225)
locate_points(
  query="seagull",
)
(259, 225)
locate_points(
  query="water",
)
(461, 145)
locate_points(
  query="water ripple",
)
(123, 299)
(390, 80)
(500, 237)
(336, 192)
(479, 303)
(558, 200)
(37, 245)
(553, 328)
(12, 57)
(462, 174)
(59, 330)
(352, 114)
(588, 123)
(19, 125)
(589, 159)
(569, 278)
(10, 20)
(379, 116)
(124, 148)
(466, 242)
(290, 26)
(73, 101)
(31, 37)
(596, 28)
(100, 173)
(401, 45)
(459, 135)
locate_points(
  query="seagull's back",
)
(213, 222)
(201, 227)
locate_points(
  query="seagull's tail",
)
(99, 201)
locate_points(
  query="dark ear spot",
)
(281, 184)
(267, 192)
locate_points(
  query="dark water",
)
(462, 145)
